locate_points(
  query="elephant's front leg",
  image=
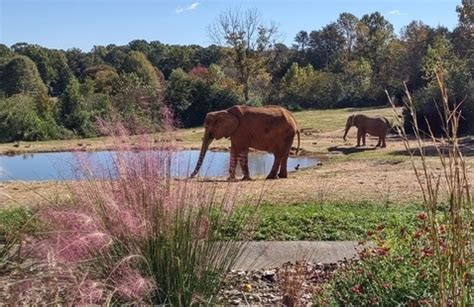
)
(232, 163)
(244, 163)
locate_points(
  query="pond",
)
(61, 165)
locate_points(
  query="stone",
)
(236, 301)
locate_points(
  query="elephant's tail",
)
(390, 125)
(298, 148)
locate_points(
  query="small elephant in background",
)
(376, 126)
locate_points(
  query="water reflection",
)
(62, 165)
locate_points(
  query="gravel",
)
(289, 284)
(276, 286)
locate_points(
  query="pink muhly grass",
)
(133, 208)
(74, 236)
(90, 292)
(130, 284)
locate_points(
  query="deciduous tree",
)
(20, 76)
(248, 42)
(138, 64)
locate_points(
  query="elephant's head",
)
(349, 123)
(217, 125)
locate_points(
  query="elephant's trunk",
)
(347, 130)
(205, 145)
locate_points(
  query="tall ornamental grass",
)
(452, 247)
(142, 236)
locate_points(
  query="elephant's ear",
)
(237, 111)
(226, 124)
(350, 121)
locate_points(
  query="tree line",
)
(52, 94)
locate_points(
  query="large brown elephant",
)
(270, 128)
(376, 126)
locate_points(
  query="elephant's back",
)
(269, 128)
(272, 118)
(378, 125)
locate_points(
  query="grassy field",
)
(310, 122)
(335, 119)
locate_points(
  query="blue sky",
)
(84, 23)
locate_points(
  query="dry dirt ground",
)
(347, 173)
(377, 175)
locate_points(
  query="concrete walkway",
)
(269, 254)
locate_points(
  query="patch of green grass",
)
(16, 220)
(307, 221)
(381, 155)
(326, 222)
(334, 119)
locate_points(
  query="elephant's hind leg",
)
(232, 164)
(244, 164)
(276, 165)
(379, 142)
(283, 166)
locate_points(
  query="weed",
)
(395, 269)
(291, 279)
(452, 261)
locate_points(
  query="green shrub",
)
(14, 223)
(456, 78)
(19, 120)
(137, 104)
(192, 97)
(15, 220)
(428, 108)
(306, 87)
(395, 268)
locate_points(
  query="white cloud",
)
(396, 13)
(190, 7)
(193, 6)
